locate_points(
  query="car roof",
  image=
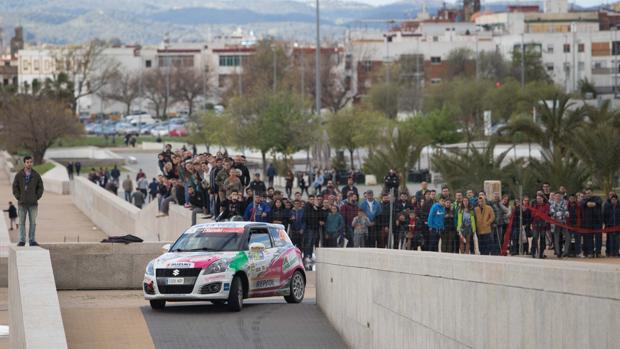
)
(236, 225)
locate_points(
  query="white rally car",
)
(227, 262)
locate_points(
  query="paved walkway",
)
(58, 220)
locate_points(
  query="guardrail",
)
(35, 321)
(380, 298)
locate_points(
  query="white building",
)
(572, 45)
(218, 60)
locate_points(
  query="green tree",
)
(598, 145)
(557, 121)
(439, 127)
(532, 59)
(468, 168)
(558, 169)
(460, 63)
(341, 130)
(492, 66)
(400, 150)
(383, 97)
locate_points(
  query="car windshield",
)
(207, 241)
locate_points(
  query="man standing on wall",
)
(27, 189)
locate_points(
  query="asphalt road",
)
(262, 324)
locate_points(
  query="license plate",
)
(176, 281)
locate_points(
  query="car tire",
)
(158, 304)
(297, 288)
(235, 297)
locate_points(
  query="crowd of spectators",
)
(322, 214)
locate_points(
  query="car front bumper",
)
(202, 287)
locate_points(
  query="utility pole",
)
(614, 49)
(522, 63)
(317, 63)
(477, 58)
(275, 68)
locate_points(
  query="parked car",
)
(160, 130)
(226, 263)
(178, 131)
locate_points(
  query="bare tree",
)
(89, 67)
(34, 123)
(188, 84)
(157, 90)
(123, 87)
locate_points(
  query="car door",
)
(259, 262)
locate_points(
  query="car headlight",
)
(216, 267)
(150, 269)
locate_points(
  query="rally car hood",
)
(192, 259)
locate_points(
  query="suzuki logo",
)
(176, 272)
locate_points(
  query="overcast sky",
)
(580, 2)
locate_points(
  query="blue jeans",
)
(128, 196)
(32, 222)
(309, 237)
(577, 238)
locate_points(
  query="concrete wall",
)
(110, 213)
(115, 216)
(96, 266)
(404, 299)
(34, 312)
(56, 180)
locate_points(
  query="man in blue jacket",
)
(261, 213)
(436, 224)
(372, 208)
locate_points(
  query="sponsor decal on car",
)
(226, 286)
(180, 265)
(290, 260)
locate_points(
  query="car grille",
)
(182, 272)
(175, 289)
(213, 287)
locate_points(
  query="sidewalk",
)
(58, 219)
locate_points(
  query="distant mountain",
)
(147, 21)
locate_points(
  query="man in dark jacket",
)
(12, 211)
(611, 216)
(245, 173)
(349, 212)
(391, 182)
(312, 220)
(195, 200)
(257, 185)
(27, 189)
(349, 188)
(592, 219)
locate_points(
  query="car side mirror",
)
(165, 248)
(257, 247)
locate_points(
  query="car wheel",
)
(158, 304)
(235, 297)
(298, 288)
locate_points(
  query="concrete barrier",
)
(5, 243)
(110, 213)
(98, 266)
(115, 216)
(56, 180)
(405, 299)
(34, 312)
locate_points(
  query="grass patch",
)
(42, 168)
(109, 142)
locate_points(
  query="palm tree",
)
(558, 170)
(557, 123)
(598, 144)
(400, 151)
(466, 169)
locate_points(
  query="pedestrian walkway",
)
(58, 218)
